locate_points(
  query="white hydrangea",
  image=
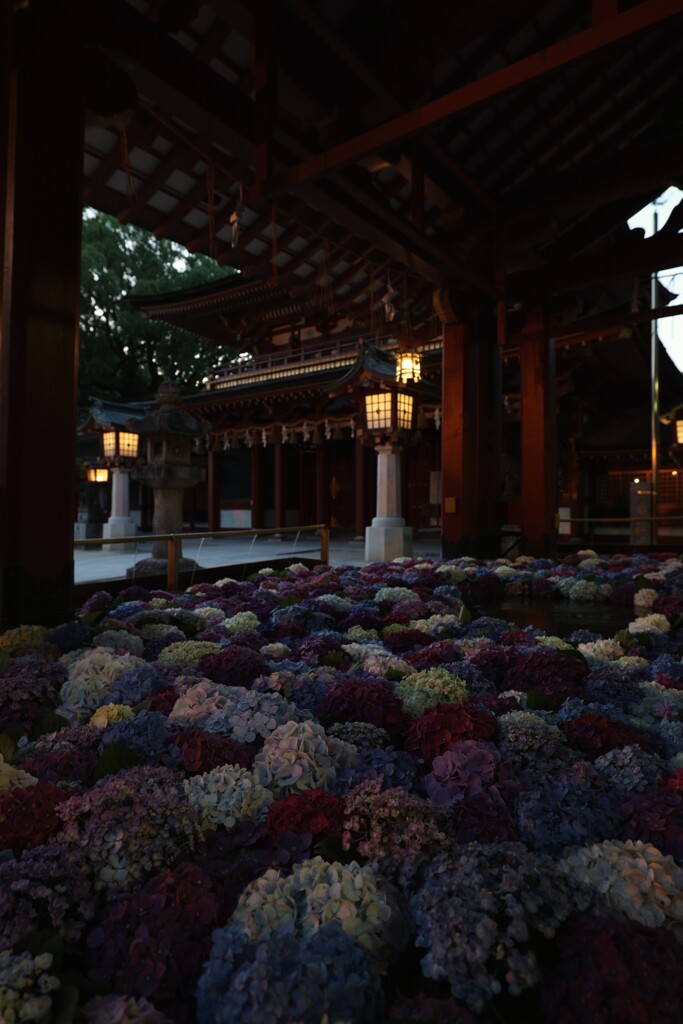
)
(435, 624)
(120, 640)
(11, 777)
(633, 877)
(25, 988)
(209, 613)
(645, 597)
(93, 675)
(654, 623)
(596, 651)
(225, 796)
(300, 755)
(657, 702)
(453, 573)
(375, 659)
(275, 651)
(588, 590)
(335, 602)
(392, 595)
(631, 662)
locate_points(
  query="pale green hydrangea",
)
(108, 714)
(225, 796)
(318, 891)
(242, 622)
(356, 634)
(392, 595)
(453, 573)
(25, 988)
(376, 659)
(187, 652)
(435, 625)
(275, 651)
(428, 688)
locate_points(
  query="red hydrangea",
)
(153, 942)
(670, 605)
(441, 726)
(405, 640)
(164, 700)
(612, 970)
(201, 751)
(27, 816)
(440, 652)
(314, 811)
(595, 734)
(234, 666)
(656, 819)
(674, 784)
(70, 768)
(362, 700)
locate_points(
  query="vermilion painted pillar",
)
(360, 489)
(214, 490)
(257, 516)
(322, 487)
(279, 484)
(470, 444)
(41, 153)
(538, 438)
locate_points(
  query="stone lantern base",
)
(159, 567)
(388, 538)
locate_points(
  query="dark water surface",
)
(561, 618)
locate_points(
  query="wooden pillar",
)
(470, 441)
(538, 438)
(322, 485)
(360, 489)
(41, 152)
(214, 490)
(257, 516)
(279, 484)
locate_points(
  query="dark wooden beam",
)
(559, 55)
(627, 260)
(180, 158)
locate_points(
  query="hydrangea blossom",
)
(477, 911)
(318, 891)
(188, 652)
(25, 987)
(322, 976)
(93, 675)
(299, 756)
(632, 877)
(429, 687)
(225, 796)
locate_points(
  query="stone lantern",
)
(168, 433)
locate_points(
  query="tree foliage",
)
(123, 356)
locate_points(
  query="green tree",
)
(123, 356)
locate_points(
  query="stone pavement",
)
(110, 563)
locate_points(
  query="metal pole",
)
(654, 404)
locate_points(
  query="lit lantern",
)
(98, 474)
(408, 367)
(388, 410)
(119, 444)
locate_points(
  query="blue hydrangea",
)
(289, 980)
(148, 735)
(393, 767)
(133, 687)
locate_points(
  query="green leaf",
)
(7, 746)
(330, 848)
(45, 940)
(48, 721)
(539, 701)
(465, 615)
(5, 661)
(113, 758)
(64, 1005)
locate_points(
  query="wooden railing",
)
(174, 543)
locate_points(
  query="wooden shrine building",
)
(467, 169)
